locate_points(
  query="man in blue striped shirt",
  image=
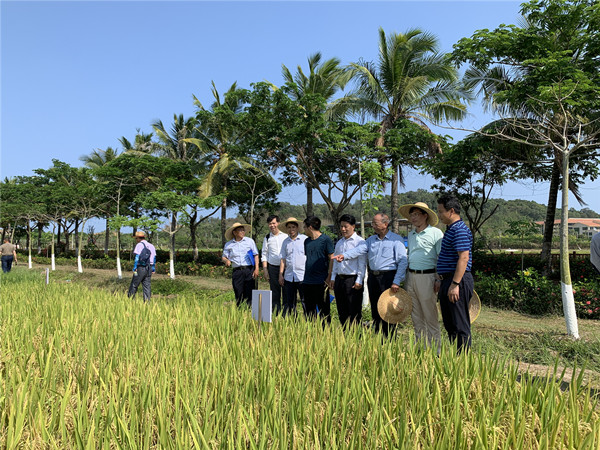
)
(386, 255)
(455, 282)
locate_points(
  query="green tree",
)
(411, 80)
(543, 79)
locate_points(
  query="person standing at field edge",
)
(317, 275)
(143, 266)
(291, 268)
(424, 246)
(595, 252)
(386, 256)
(454, 273)
(240, 252)
(271, 259)
(347, 277)
(9, 255)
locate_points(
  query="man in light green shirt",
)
(424, 245)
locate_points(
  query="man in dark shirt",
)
(455, 282)
(319, 249)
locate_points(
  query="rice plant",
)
(83, 368)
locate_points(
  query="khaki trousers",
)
(425, 314)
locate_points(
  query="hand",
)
(394, 288)
(453, 293)
(357, 286)
(266, 273)
(281, 279)
(255, 273)
(329, 283)
(436, 286)
(227, 263)
(338, 258)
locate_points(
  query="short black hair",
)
(348, 218)
(422, 211)
(313, 221)
(449, 202)
(271, 217)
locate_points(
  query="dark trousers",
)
(143, 276)
(456, 315)
(376, 284)
(291, 290)
(7, 261)
(243, 284)
(314, 298)
(273, 272)
(348, 300)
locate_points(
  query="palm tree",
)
(176, 145)
(324, 79)
(219, 131)
(99, 158)
(411, 81)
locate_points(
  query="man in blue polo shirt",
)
(455, 282)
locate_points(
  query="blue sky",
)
(76, 76)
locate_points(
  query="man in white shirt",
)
(291, 269)
(347, 277)
(271, 259)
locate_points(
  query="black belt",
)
(379, 272)
(272, 265)
(422, 271)
(241, 267)
(344, 277)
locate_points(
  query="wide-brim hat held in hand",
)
(229, 232)
(432, 218)
(283, 225)
(394, 308)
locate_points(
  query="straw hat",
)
(432, 218)
(282, 225)
(394, 308)
(229, 232)
(474, 307)
(140, 234)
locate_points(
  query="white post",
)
(47, 276)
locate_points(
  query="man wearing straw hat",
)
(387, 260)
(144, 266)
(271, 259)
(240, 252)
(454, 273)
(424, 245)
(293, 261)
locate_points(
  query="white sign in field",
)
(261, 305)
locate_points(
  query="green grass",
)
(84, 368)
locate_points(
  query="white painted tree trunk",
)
(171, 269)
(53, 259)
(565, 271)
(79, 265)
(30, 261)
(119, 272)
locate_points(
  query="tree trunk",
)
(193, 240)
(223, 221)
(29, 244)
(310, 210)
(76, 231)
(39, 240)
(79, 245)
(106, 237)
(119, 272)
(546, 255)
(394, 199)
(565, 271)
(58, 238)
(53, 258)
(172, 246)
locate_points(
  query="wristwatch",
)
(455, 282)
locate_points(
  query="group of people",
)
(302, 264)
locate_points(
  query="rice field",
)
(83, 368)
